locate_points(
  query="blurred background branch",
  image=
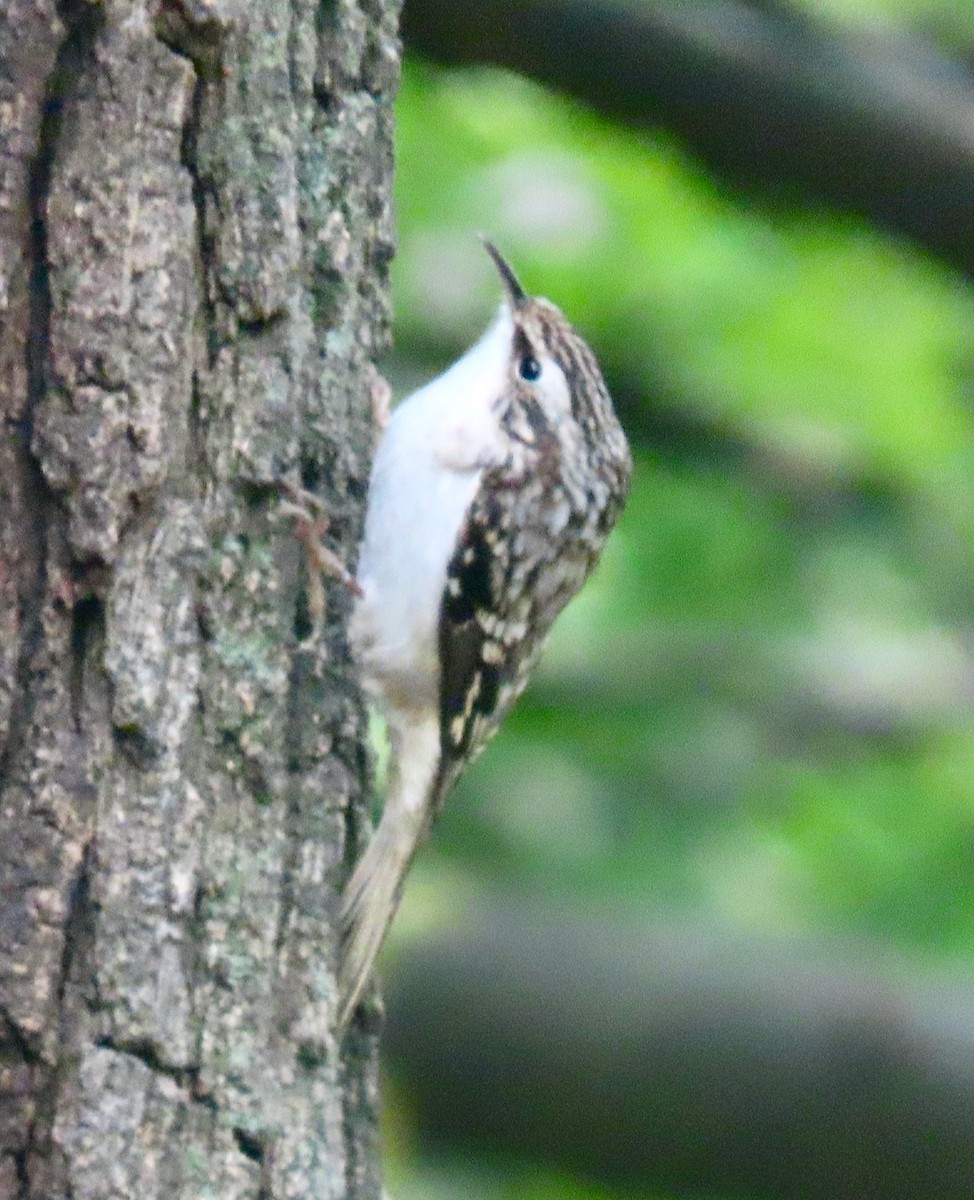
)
(874, 124)
(683, 1058)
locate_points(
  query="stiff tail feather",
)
(372, 894)
(370, 902)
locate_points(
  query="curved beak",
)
(515, 293)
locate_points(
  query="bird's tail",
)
(372, 894)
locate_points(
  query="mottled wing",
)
(487, 641)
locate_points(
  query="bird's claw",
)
(311, 524)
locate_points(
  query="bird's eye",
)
(529, 368)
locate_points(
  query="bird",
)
(492, 492)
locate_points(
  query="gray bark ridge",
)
(195, 233)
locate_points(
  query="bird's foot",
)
(311, 525)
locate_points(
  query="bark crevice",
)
(147, 1053)
(15, 1040)
(81, 22)
(35, 1156)
(188, 154)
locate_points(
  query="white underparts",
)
(426, 473)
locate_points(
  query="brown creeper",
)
(493, 491)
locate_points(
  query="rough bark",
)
(768, 98)
(194, 238)
(689, 1061)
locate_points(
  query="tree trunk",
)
(194, 238)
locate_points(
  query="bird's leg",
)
(311, 525)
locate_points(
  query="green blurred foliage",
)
(760, 704)
(499, 1180)
(760, 709)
